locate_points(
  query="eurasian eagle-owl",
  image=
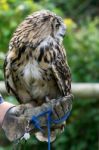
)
(36, 67)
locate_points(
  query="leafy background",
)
(82, 45)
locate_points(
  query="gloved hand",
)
(17, 119)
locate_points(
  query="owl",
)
(36, 68)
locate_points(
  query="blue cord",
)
(1, 99)
(36, 122)
(48, 126)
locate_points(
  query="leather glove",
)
(17, 119)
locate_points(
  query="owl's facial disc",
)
(59, 29)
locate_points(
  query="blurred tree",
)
(73, 8)
(82, 48)
(12, 12)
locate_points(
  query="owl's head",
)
(50, 24)
(38, 26)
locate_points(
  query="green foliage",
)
(11, 14)
(76, 9)
(82, 44)
(83, 52)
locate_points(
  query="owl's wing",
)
(61, 73)
(7, 73)
(55, 55)
(9, 83)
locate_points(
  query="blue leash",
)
(36, 122)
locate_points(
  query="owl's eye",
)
(57, 25)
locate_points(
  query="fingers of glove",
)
(57, 111)
(54, 115)
(66, 105)
(62, 107)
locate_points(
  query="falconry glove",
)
(17, 119)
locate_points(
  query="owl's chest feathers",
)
(32, 72)
(39, 82)
(32, 77)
